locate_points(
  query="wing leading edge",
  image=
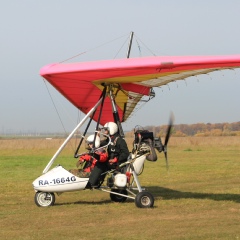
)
(81, 83)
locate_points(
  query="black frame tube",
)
(103, 94)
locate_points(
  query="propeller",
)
(171, 120)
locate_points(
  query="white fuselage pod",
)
(138, 163)
(59, 180)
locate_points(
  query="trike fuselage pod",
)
(59, 180)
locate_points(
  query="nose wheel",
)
(43, 199)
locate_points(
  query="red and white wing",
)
(81, 83)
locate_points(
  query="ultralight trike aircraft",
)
(108, 91)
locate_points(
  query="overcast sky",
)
(36, 33)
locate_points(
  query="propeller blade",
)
(169, 129)
(166, 158)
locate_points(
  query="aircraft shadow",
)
(170, 194)
(167, 194)
(103, 202)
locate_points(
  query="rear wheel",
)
(144, 200)
(43, 199)
(118, 198)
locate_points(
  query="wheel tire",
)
(117, 198)
(144, 200)
(43, 199)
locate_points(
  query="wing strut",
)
(71, 134)
(103, 95)
(115, 113)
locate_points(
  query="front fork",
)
(136, 178)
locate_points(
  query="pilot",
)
(117, 153)
(117, 150)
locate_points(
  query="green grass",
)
(198, 198)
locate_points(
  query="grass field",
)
(198, 198)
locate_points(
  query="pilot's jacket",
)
(117, 148)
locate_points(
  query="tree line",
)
(198, 129)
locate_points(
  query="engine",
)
(145, 143)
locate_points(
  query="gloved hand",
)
(112, 161)
(82, 159)
(85, 158)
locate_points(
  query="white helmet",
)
(111, 127)
(90, 140)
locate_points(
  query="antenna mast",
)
(130, 44)
(114, 108)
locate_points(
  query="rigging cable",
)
(146, 46)
(65, 131)
(54, 106)
(120, 49)
(139, 48)
(91, 49)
